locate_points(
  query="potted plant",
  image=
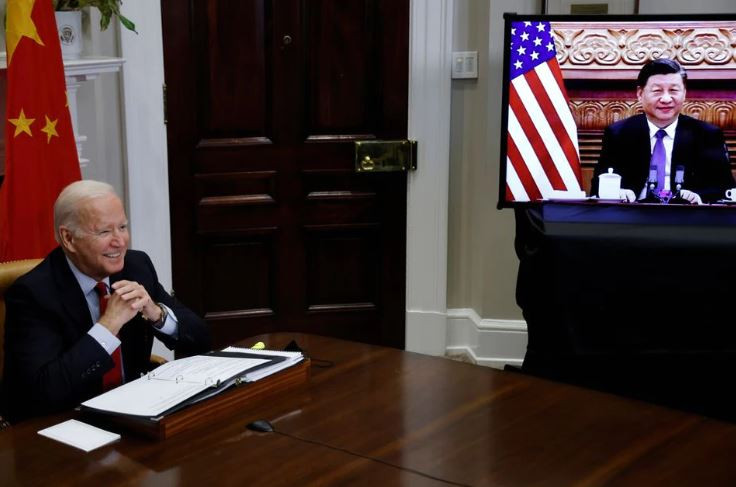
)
(69, 22)
(107, 9)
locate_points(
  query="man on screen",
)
(652, 148)
(84, 319)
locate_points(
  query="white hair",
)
(66, 208)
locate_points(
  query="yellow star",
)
(22, 124)
(19, 24)
(50, 129)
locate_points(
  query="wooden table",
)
(418, 417)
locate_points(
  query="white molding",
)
(430, 49)
(91, 66)
(82, 66)
(426, 332)
(76, 72)
(490, 342)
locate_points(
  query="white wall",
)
(99, 104)
(483, 318)
(147, 169)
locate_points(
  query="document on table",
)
(171, 384)
(79, 435)
(289, 359)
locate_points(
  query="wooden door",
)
(272, 229)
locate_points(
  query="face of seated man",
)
(98, 244)
(662, 98)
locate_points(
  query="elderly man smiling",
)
(662, 139)
(83, 320)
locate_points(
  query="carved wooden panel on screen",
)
(600, 62)
(271, 227)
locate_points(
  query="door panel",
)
(234, 51)
(272, 228)
(341, 77)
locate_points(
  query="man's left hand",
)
(136, 295)
(692, 197)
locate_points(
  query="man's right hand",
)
(626, 195)
(118, 312)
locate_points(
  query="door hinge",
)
(166, 112)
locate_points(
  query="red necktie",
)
(114, 376)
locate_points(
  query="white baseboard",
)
(426, 332)
(489, 342)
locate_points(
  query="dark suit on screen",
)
(52, 363)
(698, 146)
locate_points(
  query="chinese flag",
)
(41, 155)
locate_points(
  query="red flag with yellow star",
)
(40, 151)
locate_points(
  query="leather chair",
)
(9, 272)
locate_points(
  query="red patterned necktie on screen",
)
(114, 376)
(659, 158)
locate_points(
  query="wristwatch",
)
(160, 322)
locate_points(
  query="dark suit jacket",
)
(699, 147)
(51, 363)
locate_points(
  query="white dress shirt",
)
(669, 142)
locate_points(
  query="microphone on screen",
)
(679, 182)
(651, 196)
(652, 181)
(679, 178)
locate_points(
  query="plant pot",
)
(69, 25)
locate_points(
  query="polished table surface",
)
(378, 416)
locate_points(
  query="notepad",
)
(79, 435)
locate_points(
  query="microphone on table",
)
(650, 196)
(679, 178)
(679, 181)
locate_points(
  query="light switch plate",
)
(465, 65)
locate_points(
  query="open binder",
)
(172, 397)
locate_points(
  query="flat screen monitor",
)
(577, 126)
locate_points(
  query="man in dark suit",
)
(630, 146)
(84, 319)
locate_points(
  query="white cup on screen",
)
(731, 194)
(609, 185)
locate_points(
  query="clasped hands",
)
(690, 196)
(127, 299)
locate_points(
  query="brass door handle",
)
(385, 155)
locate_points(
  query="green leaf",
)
(127, 23)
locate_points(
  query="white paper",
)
(567, 195)
(170, 384)
(291, 359)
(79, 435)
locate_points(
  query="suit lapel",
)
(681, 148)
(73, 300)
(641, 151)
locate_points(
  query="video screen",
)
(633, 109)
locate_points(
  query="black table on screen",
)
(635, 299)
